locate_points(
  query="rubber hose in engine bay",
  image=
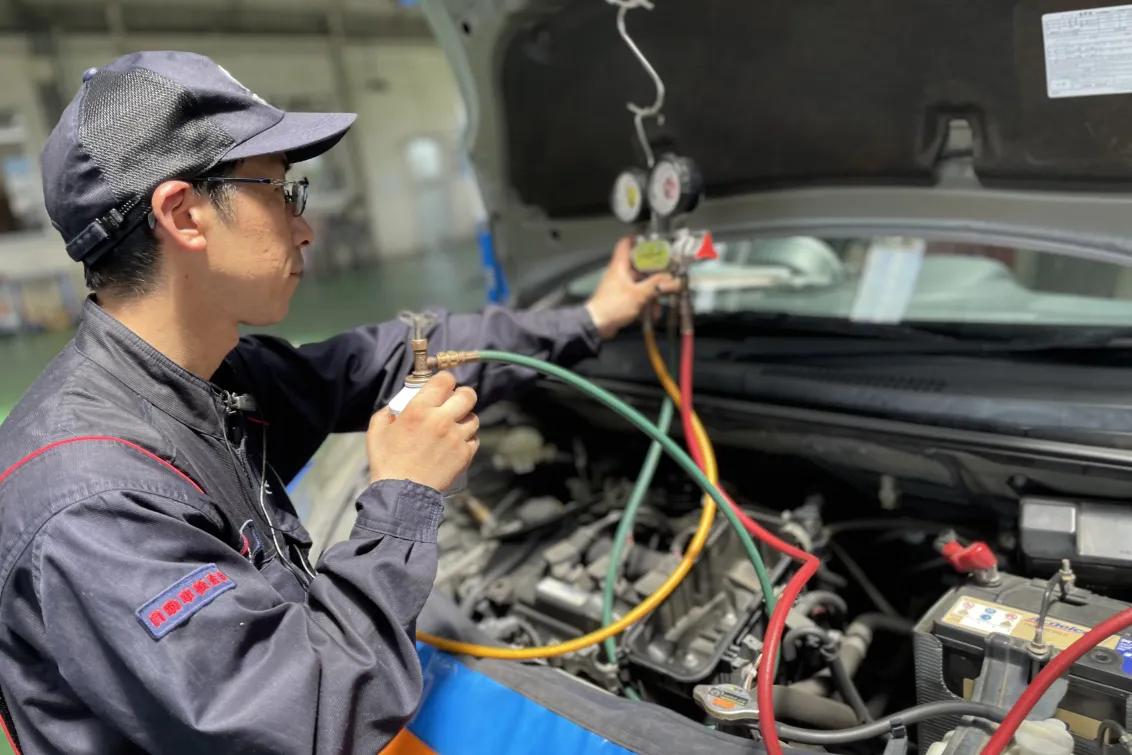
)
(699, 443)
(687, 560)
(625, 529)
(704, 474)
(855, 643)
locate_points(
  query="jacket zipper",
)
(297, 569)
(233, 411)
(244, 479)
(301, 555)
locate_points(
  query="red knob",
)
(707, 250)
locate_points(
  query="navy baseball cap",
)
(151, 117)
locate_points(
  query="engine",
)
(531, 571)
(905, 610)
(526, 550)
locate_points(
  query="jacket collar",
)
(147, 372)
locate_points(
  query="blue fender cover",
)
(464, 712)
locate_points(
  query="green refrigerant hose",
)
(625, 532)
(669, 446)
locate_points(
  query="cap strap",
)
(80, 246)
(94, 240)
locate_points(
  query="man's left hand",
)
(622, 296)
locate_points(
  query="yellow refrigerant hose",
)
(641, 610)
(673, 391)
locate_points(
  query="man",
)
(156, 595)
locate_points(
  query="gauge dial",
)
(674, 186)
(628, 198)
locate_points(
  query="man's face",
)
(254, 257)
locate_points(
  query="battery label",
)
(986, 619)
(1124, 648)
(989, 618)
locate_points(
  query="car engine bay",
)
(906, 542)
(927, 593)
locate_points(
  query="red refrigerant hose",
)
(1054, 669)
(810, 563)
(1061, 663)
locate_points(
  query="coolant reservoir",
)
(938, 748)
(398, 404)
(1048, 737)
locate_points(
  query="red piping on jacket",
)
(112, 439)
(38, 452)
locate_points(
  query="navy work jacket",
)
(155, 593)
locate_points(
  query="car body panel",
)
(948, 199)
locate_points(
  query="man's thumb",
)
(623, 252)
(381, 417)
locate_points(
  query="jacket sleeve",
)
(310, 391)
(173, 638)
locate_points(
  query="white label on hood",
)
(1088, 52)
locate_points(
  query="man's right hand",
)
(433, 439)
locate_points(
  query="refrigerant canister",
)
(398, 404)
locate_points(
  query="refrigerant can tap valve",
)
(418, 342)
(423, 368)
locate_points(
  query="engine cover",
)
(950, 643)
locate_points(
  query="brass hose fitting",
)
(687, 319)
(421, 370)
(418, 323)
(450, 360)
(425, 366)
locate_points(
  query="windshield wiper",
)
(788, 344)
(786, 325)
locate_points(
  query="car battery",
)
(950, 641)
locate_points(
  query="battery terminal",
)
(976, 559)
(1063, 582)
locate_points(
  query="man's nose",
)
(301, 232)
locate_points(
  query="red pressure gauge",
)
(674, 186)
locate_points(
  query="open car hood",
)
(1004, 122)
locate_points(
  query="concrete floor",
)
(321, 308)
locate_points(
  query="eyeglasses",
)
(294, 192)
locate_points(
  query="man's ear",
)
(177, 215)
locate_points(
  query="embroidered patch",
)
(179, 601)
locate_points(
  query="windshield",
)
(888, 280)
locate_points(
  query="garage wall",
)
(420, 100)
(20, 76)
(402, 91)
(26, 252)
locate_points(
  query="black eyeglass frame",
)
(294, 192)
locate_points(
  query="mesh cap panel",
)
(154, 116)
(142, 129)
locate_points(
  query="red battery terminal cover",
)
(974, 558)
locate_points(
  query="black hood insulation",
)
(768, 94)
